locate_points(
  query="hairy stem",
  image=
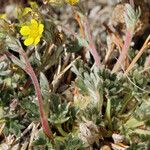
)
(126, 46)
(92, 47)
(84, 25)
(29, 70)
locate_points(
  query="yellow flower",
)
(26, 11)
(3, 16)
(32, 33)
(72, 2)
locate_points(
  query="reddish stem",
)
(29, 70)
(126, 46)
(27, 84)
(91, 48)
(44, 120)
(2, 57)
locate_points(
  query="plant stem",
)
(100, 99)
(34, 79)
(126, 100)
(108, 113)
(62, 132)
(44, 120)
(84, 24)
(126, 46)
(29, 70)
(92, 48)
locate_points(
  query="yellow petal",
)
(34, 23)
(26, 10)
(28, 41)
(37, 40)
(41, 28)
(3, 16)
(25, 30)
(72, 2)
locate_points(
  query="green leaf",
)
(133, 123)
(58, 110)
(44, 84)
(42, 140)
(74, 46)
(142, 131)
(31, 109)
(72, 142)
(4, 71)
(14, 126)
(131, 16)
(108, 113)
(12, 43)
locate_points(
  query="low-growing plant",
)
(46, 78)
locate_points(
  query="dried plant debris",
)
(118, 20)
(72, 76)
